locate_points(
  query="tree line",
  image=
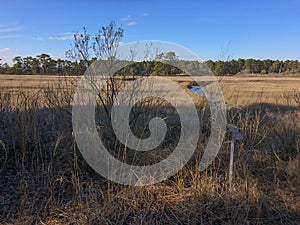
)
(253, 66)
(43, 64)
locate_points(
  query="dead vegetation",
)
(45, 180)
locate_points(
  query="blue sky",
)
(212, 29)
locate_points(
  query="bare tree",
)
(102, 47)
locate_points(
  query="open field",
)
(45, 180)
(241, 90)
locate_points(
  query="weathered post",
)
(235, 136)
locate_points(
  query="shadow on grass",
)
(45, 179)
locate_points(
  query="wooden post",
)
(235, 136)
(231, 163)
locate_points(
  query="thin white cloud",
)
(9, 36)
(131, 23)
(2, 50)
(5, 29)
(8, 24)
(62, 37)
(9, 31)
(10, 27)
(127, 18)
(37, 38)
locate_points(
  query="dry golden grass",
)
(241, 90)
(44, 179)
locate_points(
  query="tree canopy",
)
(44, 64)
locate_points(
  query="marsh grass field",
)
(45, 180)
(241, 90)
